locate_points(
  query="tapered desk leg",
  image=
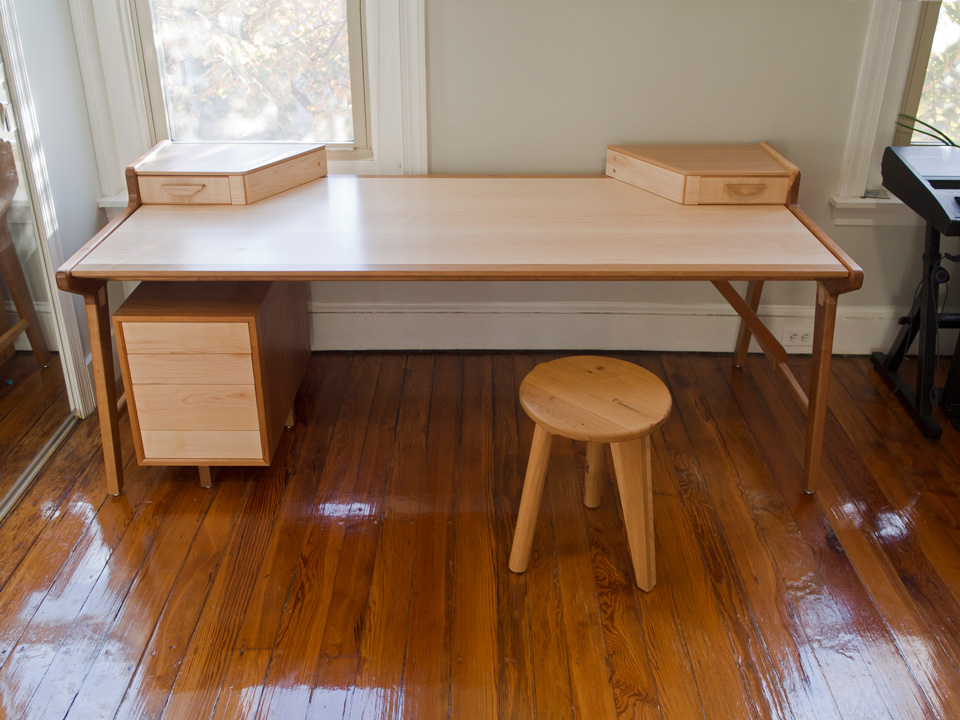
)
(754, 289)
(823, 326)
(101, 348)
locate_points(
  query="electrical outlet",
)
(797, 336)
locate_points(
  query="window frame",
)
(394, 52)
(148, 48)
(917, 73)
(888, 47)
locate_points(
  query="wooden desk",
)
(438, 228)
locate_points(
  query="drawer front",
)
(204, 445)
(186, 337)
(196, 407)
(743, 191)
(191, 369)
(184, 190)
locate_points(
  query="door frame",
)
(79, 382)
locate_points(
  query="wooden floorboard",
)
(33, 405)
(364, 574)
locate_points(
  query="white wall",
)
(50, 54)
(542, 86)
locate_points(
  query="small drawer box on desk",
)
(705, 174)
(211, 369)
(176, 173)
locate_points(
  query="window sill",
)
(872, 212)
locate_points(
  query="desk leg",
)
(823, 327)
(754, 288)
(101, 347)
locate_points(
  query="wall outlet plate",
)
(797, 336)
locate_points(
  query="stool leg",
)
(530, 500)
(631, 461)
(591, 485)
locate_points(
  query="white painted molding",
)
(883, 74)
(95, 91)
(112, 82)
(383, 79)
(872, 212)
(577, 326)
(78, 380)
(871, 86)
(413, 84)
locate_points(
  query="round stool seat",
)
(596, 399)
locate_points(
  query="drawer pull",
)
(182, 190)
(746, 190)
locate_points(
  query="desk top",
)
(482, 228)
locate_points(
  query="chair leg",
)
(632, 464)
(530, 500)
(20, 294)
(591, 485)
(6, 351)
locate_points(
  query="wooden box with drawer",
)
(211, 369)
(178, 173)
(705, 174)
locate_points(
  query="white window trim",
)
(120, 113)
(883, 73)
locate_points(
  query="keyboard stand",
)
(922, 323)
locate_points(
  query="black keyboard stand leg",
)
(950, 396)
(918, 403)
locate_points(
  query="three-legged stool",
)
(598, 400)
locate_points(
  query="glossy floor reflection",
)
(364, 574)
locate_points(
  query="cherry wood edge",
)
(440, 273)
(66, 279)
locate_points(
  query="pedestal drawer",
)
(206, 445)
(196, 369)
(211, 369)
(197, 407)
(186, 337)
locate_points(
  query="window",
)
(121, 82)
(255, 70)
(933, 88)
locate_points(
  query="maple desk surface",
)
(470, 228)
(461, 228)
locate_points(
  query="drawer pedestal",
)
(211, 369)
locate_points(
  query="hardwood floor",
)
(364, 574)
(33, 404)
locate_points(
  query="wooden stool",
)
(598, 400)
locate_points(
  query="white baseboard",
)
(581, 326)
(47, 322)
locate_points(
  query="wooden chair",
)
(598, 400)
(12, 272)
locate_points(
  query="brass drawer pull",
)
(746, 190)
(182, 190)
